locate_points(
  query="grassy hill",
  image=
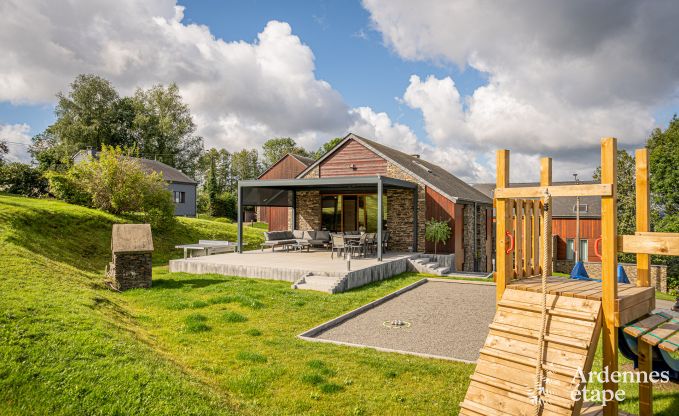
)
(69, 346)
(201, 345)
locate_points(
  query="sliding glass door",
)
(351, 212)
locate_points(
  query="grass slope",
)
(192, 344)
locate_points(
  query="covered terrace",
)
(283, 193)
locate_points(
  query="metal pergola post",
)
(294, 209)
(240, 219)
(379, 218)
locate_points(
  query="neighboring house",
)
(339, 192)
(182, 187)
(563, 221)
(288, 167)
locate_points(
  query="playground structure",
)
(546, 328)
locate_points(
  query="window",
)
(179, 197)
(570, 247)
(351, 212)
(583, 208)
(584, 250)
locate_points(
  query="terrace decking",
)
(632, 303)
(294, 265)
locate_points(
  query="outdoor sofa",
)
(283, 238)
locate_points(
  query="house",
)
(183, 188)
(564, 221)
(345, 189)
(288, 167)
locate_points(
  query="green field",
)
(193, 344)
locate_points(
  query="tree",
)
(211, 187)
(222, 161)
(245, 165)
(3, 151)
(22, 179)
(327, 146)
(163, 128)
(437, 231)
(91, 114)
(274, 149)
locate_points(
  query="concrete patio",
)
(313, 270)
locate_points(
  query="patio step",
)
(424, 264)
(325, 284)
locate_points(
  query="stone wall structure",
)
(658, 272)
(404, 238)
(131, 247)
(308, 210)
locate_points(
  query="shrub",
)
(66, 187)
(117, 183)
(22, 179)
(437, 232)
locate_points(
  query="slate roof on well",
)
(439, 178)
(563, 207)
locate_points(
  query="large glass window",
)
(351, 212)
(570, 247)
(584, 250)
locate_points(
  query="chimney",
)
(415, 155)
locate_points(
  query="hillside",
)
(67, 345)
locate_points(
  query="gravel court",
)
(442, 318)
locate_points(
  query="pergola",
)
(283, 193)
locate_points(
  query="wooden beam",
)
(503, 262)
(556, 190)
(649, 244)
(535, 252)
(518, 238)
(609, 263)
(643, 207)
(546, 181)
(527, 238)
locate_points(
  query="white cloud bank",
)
(561, 74)
(17, 138)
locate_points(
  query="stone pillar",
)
(308, 210)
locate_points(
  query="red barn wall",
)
(286, 168)
(440, 208)
(364, 162)
(564, 228)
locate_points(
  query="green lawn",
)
(193, 344)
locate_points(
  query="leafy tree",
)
(91, 114)
(117, 183)
(437, 231)
(245, 165)
(626, 188)
(3, 150)
(222, 161)
(49, 152)
(327, 146)
(163, 128)
(274, 149)
(211, 187)
(22, 179)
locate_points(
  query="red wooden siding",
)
(440, 208)
(286, 168)
(364, 162)
(564, 228)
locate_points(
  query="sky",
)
(450, 80)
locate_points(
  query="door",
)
(349, 205)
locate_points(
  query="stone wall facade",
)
(308, 210)
(468, 238)
(481, 238)
(400, 219)
(130, 271)
(404, 238)
(313, 173)
(658, 272)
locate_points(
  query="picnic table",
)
(208, 247)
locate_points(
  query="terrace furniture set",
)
(350, 244)
(296, 239)
(208, 247)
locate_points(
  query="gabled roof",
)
(432, 175)
(306, 161)
(563, 207)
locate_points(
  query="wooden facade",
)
(353, 159)
(286, 168)
(564, 229)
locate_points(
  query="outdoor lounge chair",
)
(283, 238)
(338, 244)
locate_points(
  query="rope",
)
(546, 254)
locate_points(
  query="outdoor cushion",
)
(323, 235)
(317, 242)
(298, 234)
(309, 235)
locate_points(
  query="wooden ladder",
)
(503, 382)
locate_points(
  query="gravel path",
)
(448, 319)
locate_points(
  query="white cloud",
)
(18, 138)
(561, 74)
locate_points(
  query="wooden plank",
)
(527, 238)
(524, 375)
(637, 311)
(642, 217)
(645, 365)
(555, 191)
(660, 333)
(503, 261)
(489, 353)
(518, 239)
(535, 251)
(564, 340)
(609, 263)
(671, 343)
(636, 329)
(649, 244)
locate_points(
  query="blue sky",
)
(452, 81)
